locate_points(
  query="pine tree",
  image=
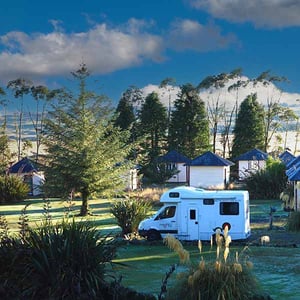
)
(125, 112)
(153, 124)
(85, 153)
(189, 128)
(249, 127)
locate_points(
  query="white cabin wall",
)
(181, 175)
(248, 166)
(297, 196)
(207, 177)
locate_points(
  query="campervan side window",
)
(229, 208)
(208, 201)
(168, 212)
(193, 214)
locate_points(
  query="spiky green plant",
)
(69, 259)
(62, 261)
(129, 213)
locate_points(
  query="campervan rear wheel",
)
(153, 235)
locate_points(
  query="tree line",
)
(90, 145)
(191, 126)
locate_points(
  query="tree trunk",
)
(84, 206)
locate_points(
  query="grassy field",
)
(277, 268)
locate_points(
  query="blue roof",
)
(174, 157)
(292, 169)
(286, 157)
(210, 159)
(293, 173)
(23, 166)
(254, 154)
(293, 162)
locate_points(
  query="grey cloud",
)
(189, 34)
(262, 13)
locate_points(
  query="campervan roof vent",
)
(174, 195)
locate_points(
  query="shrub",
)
(223, 278)
(293, 223)
(129, 213)
(12, 189)
(267, 183)
(63, 261)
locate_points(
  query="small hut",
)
(210, 170)
(26, 169)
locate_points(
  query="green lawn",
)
(277, 268)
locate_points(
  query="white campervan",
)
(190, 213)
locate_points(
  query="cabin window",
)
(229, 208)
(193, 214)
(168, 212)
(208, 201)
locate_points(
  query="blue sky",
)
(137, 42)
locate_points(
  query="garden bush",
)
(68, 260)
(129, 213)
(12, 189)
(267, 183)
(62, 261)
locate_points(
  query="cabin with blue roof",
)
(28, 171)
(209, 170)
(286, 157)
(174, 159)
(251, 162)
(293, 174)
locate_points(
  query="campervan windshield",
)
(166, 212)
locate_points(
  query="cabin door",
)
(193, 223)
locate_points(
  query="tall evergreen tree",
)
(85, 154)
(153, 124)
(249, 128)
(152, 127)
(189, 128)
(126, 109)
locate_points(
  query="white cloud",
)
(167, 94)
(264, 93)
(103, 49)
(189, 34)
(262, 13)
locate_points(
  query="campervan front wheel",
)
(153, 235)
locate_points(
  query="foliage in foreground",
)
(293, 223)
(12, 189)
(267, 183)
(64, 261)
(129, 213)
(55, 261)
(224, 278)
